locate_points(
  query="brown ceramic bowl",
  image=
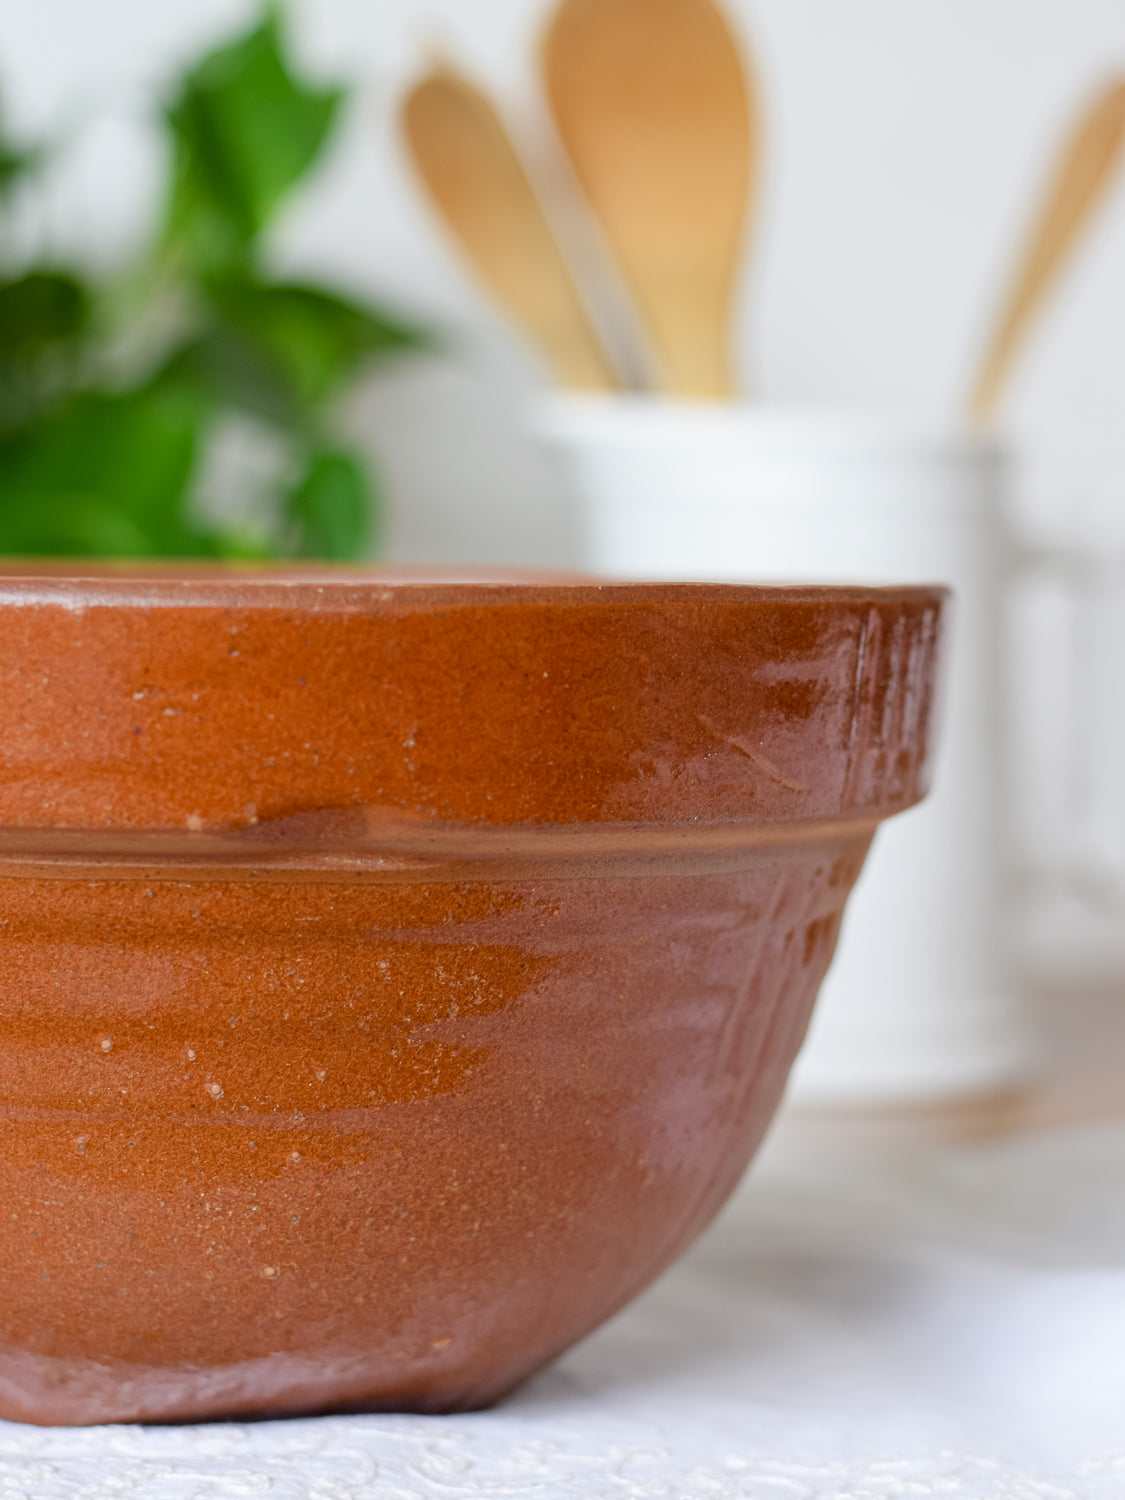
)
(398, 976)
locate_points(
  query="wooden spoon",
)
(654, 110)
(463, 154)
(1074, 193)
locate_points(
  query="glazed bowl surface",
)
(397, 976)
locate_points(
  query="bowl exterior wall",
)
(394, 978)
(310, 1145)
(317, 716)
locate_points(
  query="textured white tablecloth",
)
(950, 1325)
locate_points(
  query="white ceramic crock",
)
(915, 1008)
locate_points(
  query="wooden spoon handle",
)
(657, 115)
(1075, 191)
(478, 185)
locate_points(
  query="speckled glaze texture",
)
(395, 977)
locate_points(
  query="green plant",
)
(112, 392)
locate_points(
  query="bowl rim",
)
(332, 589)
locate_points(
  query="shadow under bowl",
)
(399, 975)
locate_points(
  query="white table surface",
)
(949, 1324)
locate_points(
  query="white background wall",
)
(906, 143)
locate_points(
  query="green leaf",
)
(317, 340)
(12, 165)
(71, 526)
(245, 131)
(332, 508)
(281, 351)
(109, 476)
(40, 308)
(14, 162)
(87, 469)
(227, 366)
(240, 545)
(44, 318)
